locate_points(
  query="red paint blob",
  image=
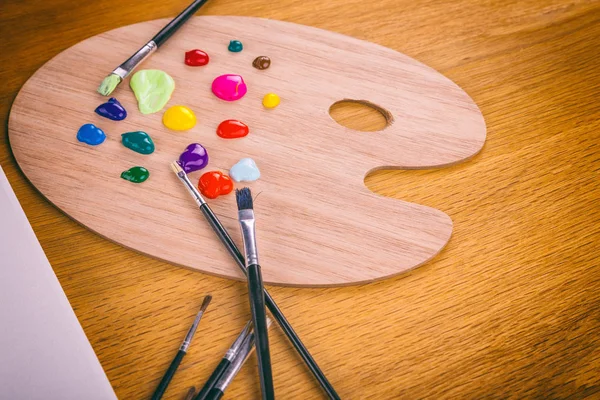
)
(214, 184)
(232, 129)
(196, 58)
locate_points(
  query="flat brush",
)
(231, 247)
(225, 362)
(110, 83)
(246, 349)
(255, 290)
(164, 383)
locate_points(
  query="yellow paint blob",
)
(271, 100)
(179, 118)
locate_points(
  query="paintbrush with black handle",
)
(190, 394)
(112, 80)
(236, 365)
(225, 362)
(230, 245)
(164, 382)
(255, 290)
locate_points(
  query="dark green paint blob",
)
(135, 174)
(138, 141)
(235, 46)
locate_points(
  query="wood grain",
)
(318, 225)
(509, 309)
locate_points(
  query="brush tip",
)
(206, 302)
(190, 394)
(244, 199)
(109, 84)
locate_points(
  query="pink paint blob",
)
(229, 87)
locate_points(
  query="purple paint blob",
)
(112, 109)
(229, 87)
(194, 158)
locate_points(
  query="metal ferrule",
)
(246, 349)
(235, 347)
(132, 62)
(188, 338)
(247, 224)
(191, 188)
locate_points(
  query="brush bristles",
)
(109, 84)
(177, 168)
(206, 302)
(244, 199)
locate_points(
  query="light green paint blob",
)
(152, 88)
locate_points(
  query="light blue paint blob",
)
(91, 134)
(244, 171)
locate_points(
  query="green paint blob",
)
(138, 141)
(135, 174)
(152, 88)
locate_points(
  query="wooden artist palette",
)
(317, 222)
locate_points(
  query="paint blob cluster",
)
(153, 89)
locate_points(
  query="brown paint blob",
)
(261, 62)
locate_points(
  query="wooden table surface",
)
(511, 307)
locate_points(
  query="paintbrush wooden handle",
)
(176, 22)
(261, 334)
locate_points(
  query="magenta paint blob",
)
(229, 87)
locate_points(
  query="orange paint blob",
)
(214, 184)
(232, 129)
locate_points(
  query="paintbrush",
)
(221, 232)
(164, 383)
(190, 393)
(255, 290)
(225, 362)
(245, 350)
(114, 78)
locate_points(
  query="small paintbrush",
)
(233, 250)
(245, 350)
(225, 362)
(190, 393)
(114, 78)
(164, 382)
(255, 290)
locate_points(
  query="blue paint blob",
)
(91, 134)
(244, 171)
(112, 109)
(235, 46)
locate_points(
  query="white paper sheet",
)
(44, 353)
